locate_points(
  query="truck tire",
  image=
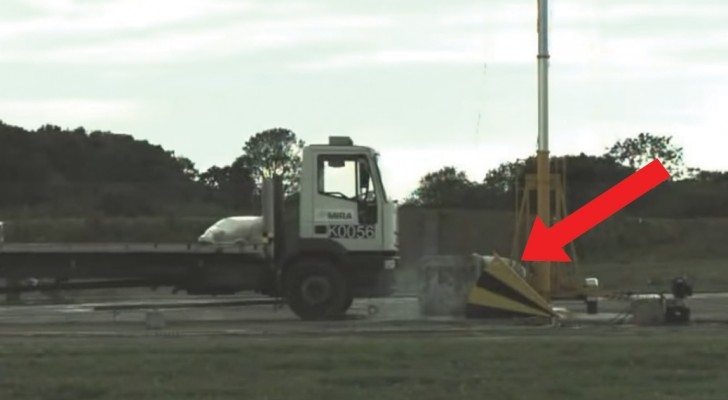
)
(316, 290)
(347, 304)
(341, 313)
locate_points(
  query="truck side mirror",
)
(364, 176)
(336, 162)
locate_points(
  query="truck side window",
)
(367, 192)
(338, 176)
(367, 199)
(349, 178)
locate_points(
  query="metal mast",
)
(542, 270)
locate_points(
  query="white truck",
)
(338, 244)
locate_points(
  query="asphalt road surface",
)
(250, 315)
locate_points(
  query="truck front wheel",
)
(315, 290)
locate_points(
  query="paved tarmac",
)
(157, 314)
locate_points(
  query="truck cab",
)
(343, 199)
(347, 230)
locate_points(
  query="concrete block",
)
(648, 311)
(431, 235)
(445, 281)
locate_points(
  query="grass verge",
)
(706, 275)
(647, 365)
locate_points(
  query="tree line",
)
(690, 192)
(71, 172)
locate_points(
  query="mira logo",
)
(334, 215)
(339, 215)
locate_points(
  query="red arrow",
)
(546, 244)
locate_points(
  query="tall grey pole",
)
(543, 76)
(542, 270)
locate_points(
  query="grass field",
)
(705, 274)
(613, 364)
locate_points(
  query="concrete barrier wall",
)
(621, 238)
(426, 232)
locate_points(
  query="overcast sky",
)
(428, 83)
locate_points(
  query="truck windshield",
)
(380, 178)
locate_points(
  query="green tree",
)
(639, 151)
(55, 171)
(189, 170)
(710, 176)
(231, 186)
(503, 178)
(274, 153)
(215, 177)
(588, 176)
(446, 187)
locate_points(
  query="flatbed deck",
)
(194, 267)
(152, 248)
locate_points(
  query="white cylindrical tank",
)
(234, 230)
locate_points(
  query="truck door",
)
(346, 205)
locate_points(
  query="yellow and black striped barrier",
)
(500, 292)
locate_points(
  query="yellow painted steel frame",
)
(542, 270)
(565, 280)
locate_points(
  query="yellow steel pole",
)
(542, 270)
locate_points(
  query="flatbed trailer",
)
(193, 267)
(340, 246)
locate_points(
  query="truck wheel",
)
(315, 290)
(347, 304)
